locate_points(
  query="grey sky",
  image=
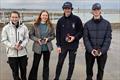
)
(56, 4)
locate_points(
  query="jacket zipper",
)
(16, 38)
(96, 36)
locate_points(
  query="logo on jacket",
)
(62, 25)
(73, 25)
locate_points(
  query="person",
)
(15, 37)
(69, 30)
(97, 39)
(42, 33)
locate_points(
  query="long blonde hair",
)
(37, 22)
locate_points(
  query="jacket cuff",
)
(12, 46)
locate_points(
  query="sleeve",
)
(107, 39)
(58, 34)
(4, 40)
(51, 35)
(26, 37)
(79, 29)
(86, 39)
(32, 34)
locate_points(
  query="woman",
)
(42, 34)
(15, 38)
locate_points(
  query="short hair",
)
(16, 12)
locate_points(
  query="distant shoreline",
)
(106, 11)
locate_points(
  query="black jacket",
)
(73, 26)
(97, 35)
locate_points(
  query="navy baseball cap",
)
(96, 6)
(67, 5)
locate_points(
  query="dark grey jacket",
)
(35, 35)
(97, 35)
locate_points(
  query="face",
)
(44, 16)
(14, 18)
(67, 11)
(96, 12)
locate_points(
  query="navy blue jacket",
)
(73, 26)
(97, 35)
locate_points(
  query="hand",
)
(39, 41)
(94, 52)
(58, 50)
(72, 38)
(100, 53)
(17, 45)
(46, 40)
(20, 48)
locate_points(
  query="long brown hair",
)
(37, 22)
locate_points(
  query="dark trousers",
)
(34, 69)
(17, 63)
(90, 59)
(62, 56)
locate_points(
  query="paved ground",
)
(112, 69)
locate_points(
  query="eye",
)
(14, 17)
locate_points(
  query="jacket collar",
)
(68, 16)
(19, 24)
(97, 20)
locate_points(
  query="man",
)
(97, 39)
(15, 38)
(69, 30)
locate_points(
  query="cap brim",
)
(67, 7)
(96, 8)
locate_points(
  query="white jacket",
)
(11, 35)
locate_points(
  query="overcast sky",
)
(57, 4)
